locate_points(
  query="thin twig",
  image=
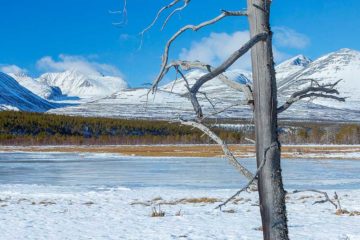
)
(274, 144)
(186, 3)
(165, 57)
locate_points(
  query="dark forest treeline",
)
(20, 128)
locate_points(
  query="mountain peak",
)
(298, 60)
(292, 66)
(346, 50)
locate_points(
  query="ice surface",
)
(104, 196)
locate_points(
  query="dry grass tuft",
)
(178, 213)
(157, 213)
(229, 211)
(304, 197)
(146, 204)
(157, 199)
(341, 212)
(200, 200)
(354, 213)
(46, 203)
(88, 203)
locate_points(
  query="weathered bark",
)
(270, 186)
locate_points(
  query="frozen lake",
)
(109, 170)
(104, 196)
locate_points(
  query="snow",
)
(97, 196)
(14, 96)
(38, 212)
(131, 103)
(291, 66)
(340, 65)
(74, 83)
(105, 96)
(39, 88)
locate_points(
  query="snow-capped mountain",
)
(109, 98)
(41, 89)
(340, 65)
(74, 83)
(291, 66)
(168, 102)
(14, 96)
(171, 100)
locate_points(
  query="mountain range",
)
(111, 97)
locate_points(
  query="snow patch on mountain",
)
(291, 66)
(74, 83)
(340, 65)
(214, 86)
(16, 97)
(41, 89)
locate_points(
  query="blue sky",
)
(44, 35)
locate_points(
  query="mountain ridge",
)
(171, 99)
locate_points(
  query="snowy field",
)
(103, 196)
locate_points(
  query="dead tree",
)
(271, 190)
(261, 97)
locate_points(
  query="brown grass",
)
(160, 201)
(341, 212)
(242, 151)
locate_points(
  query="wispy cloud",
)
(287, 37)
(217, 47)
(12, 69)
(78, 63)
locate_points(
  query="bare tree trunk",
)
(270, 186)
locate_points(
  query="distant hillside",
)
(21, 128)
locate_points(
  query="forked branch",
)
(158, 15)
(327, 199)
(247, 186)
(190, 65)
(124, 15)
(221, 69)
(186, 3)
(319, 91)
(165, 57)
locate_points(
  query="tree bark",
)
(270, 186)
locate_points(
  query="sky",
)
(51, 35)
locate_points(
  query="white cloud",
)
(12, 69)
(79, 63)
(219, 46)
(287, 37)
(280, 56)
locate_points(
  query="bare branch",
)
(158, 15)
(165, 57)
(221, 69)
(186, 3)
(320, 91)
(274, 144)
(124, 15)
(232, 160)
(327, 199)
(230, 61)
(189, 65)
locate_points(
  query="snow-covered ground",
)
(103, 196)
